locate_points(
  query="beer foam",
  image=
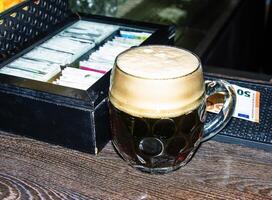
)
(158, 62)
(156, 88)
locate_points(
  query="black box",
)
(73, 118)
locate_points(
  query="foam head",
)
(156, 82)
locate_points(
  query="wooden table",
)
(33, 169)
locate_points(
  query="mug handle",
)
(222, 118)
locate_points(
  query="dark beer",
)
(160, 144)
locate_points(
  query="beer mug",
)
(157, 105)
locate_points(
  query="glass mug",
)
(157, 105)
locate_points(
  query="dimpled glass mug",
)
(157, 104)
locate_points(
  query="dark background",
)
(226, 34)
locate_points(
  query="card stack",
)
(25, 68)
(77, 78)
(44, 61)
(100, 61)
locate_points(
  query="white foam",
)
(145, 86)
(157, 62)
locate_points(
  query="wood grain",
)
(30, 169)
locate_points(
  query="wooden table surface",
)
(30, 169)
